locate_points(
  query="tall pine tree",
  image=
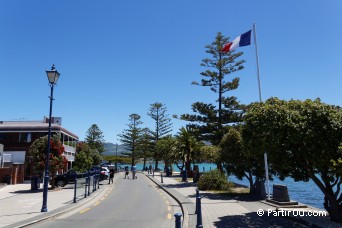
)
(163, 125)
(131, 137)
(211, 121)
(145, 146)
(94, 138)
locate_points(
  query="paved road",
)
(128, 203)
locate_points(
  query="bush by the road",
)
(214, 180)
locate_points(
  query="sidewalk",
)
(237, 211)
(21, 206)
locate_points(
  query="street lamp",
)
(53, 76)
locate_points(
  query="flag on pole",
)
(243, 40)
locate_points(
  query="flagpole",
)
(260, 100)
(257, 59)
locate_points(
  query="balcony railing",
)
(69, 149)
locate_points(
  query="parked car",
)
(63, 179)
(95, 168)
(105, 172)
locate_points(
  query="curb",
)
(184, 208)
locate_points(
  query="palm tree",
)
(167, 149)
(188, 146)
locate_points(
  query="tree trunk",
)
(260, 190)
(331, 203)
(187, 165)
(52, 182)
(144, 167)
(332, 207)
(251, 184)
(156, 165)
(180, 167)
(219, 167)
(133, 160)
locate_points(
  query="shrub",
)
(214, 180)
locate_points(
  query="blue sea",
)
(303, 192)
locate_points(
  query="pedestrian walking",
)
(134, 170)
(150, 169)
(111, 175)
(126, 172)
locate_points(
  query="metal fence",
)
(85, 184)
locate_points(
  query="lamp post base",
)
(45, 193)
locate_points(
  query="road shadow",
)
(27, 191)
(246, 197)
(253, 220)
(181, 185)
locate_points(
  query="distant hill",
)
(110, 149)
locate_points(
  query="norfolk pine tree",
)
(163, 125)
(211, 121)
(132, 136)
(94, 138)
(146, 145)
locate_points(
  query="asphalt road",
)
(127, 203)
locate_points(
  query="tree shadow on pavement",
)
(228, 196)
(27, 191)
(253, 220)
(181, 185)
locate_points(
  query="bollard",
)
(199, 213)
(178, 220)
(85, 187)
(197, 195)
(75, 190)
(94, 183)
(88, 185)
(161, 178)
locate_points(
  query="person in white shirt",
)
(134, 170)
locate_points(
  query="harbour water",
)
(303, 192)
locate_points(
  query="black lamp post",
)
(53, 76)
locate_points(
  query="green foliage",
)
(120, 159)
(210, 154)
(132, 136)
(188, 148)
(146, 146)
(302, 139)
(214, 180)
(167, 148)
(38, 151)
(239, 161)
(209, 120)
(163, 126)
(94, 138)
(84, 158)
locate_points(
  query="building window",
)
(25, 137)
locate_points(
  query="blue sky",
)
(118, 57)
